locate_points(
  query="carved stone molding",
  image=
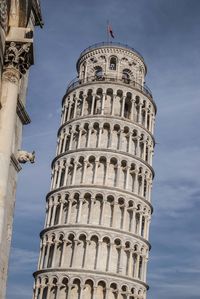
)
(3, 14)
(18, 56)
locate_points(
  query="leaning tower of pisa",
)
(95, 241)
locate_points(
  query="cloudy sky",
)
(167, 33)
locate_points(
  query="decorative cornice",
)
(21, 112)
(15, 163)
(99, 228)
(90, 272)
(103, 150)
(105, 188)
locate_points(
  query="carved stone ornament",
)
(3, 14)
(23, 157)
(18, 55)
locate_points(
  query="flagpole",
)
(108, 37)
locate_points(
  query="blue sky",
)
(167, 35)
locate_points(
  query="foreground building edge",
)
(94, 243)
(17, 21)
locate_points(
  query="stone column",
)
(61, 211)
(75, 107)
(94, 292)
(129, 142)
(145, 119)
(153, 124)
(55, 176)
(64, 114)
(79, 137)
(64, 143)
(137, 146)
(110, 255)
(118, 175)
(92, 107)
(147, 228)
(140, 224)
(86, 253)
(123, 106)
(80, 209)
(59, 177)
(71, 138)
(16, 63)
(49, 214)
(107, 171)
(113, 104)
(145, 261)
(102, 213)
(130, 263)
(133, 110)
(89, 134)
(133, 221)
(17, 60)
(69, 110)
(66, 173)
(58, 146)
(103, 103)
(74, 172)
(53, 214)
(144, 149)
(142, 186)
(136, 185)
(52, 179)
(137, 266)
(124, 216)
(40, 294)
(47, 255)
(140, 113)
(107, 293)
(42, 249)
(100, 133)
(114, 213)
(95, 170)
(83, 105)
(92, 211)
(127, 176)
(63, 253)
(69, 210)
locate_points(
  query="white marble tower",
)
(95, 241)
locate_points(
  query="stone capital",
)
(18, 57)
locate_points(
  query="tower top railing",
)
(77, 82)
(110, 44)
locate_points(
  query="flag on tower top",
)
(110, 31)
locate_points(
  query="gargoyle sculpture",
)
(24, 157)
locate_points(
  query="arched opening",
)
(113, 63)
(98, 73)
(126, 76)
